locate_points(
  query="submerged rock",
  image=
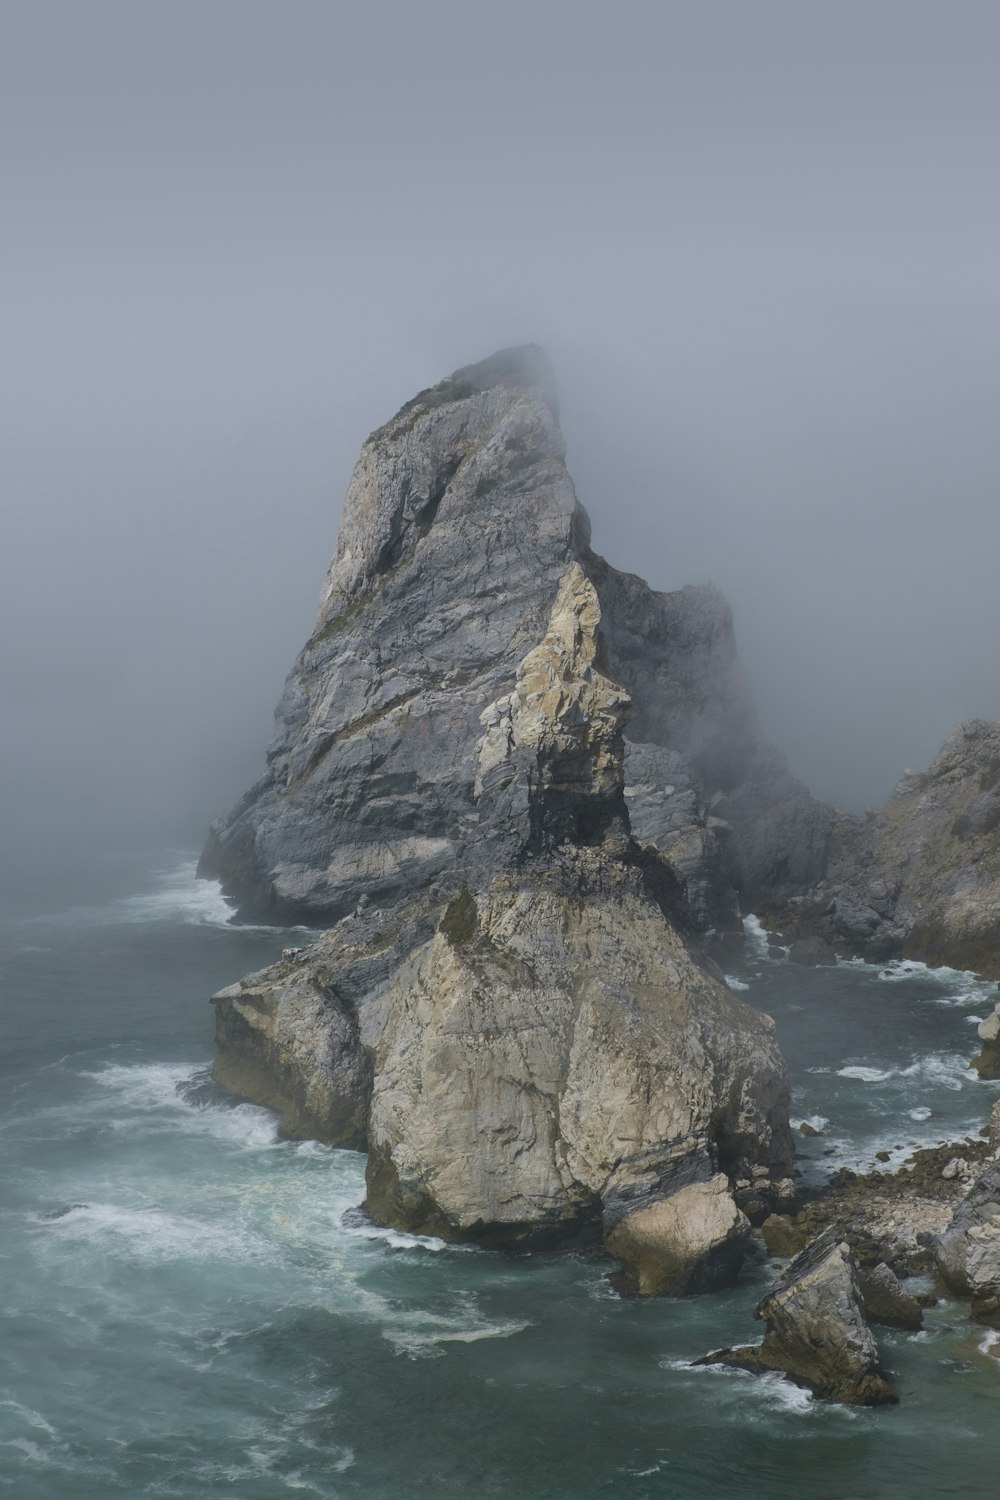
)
(816, 1333)
(540, 1058)
(812, 951)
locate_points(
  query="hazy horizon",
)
(758, 244)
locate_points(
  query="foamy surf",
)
(948, 1070)
(757, 940)
(171, 1095)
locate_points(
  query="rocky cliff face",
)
(921, 878)
(460, 522)
(538, 1057)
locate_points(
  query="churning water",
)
(191, 1309)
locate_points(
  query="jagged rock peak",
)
(569, 717)
(459, 528)
(487, 424)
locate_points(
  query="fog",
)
(759, 242)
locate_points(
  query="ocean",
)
(193, 1306)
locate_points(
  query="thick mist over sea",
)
(758, 242)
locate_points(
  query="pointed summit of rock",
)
(460, 524)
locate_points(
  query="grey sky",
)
(759, 240)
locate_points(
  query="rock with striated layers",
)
(816, 1332)
(459, 523)
(921, 878)
(539, 1059)
(968, 1252)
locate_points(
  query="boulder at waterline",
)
(968, 1252)
(816, 1332)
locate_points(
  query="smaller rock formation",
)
(987, 1062)
(921, 877)
(816, 1333)
(693, 1241)
(811, 951)
(968, 1252)
(886, 1301)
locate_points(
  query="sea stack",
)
(511, 1010)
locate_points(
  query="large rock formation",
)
(968, 1252)
(536, 1057)
(921, 878)
(460, 522)
(815, 1330)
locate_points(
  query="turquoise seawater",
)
(191, 1307)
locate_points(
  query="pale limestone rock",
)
(552, 1062)
(687, 1242)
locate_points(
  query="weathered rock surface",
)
(816, 1332)
(968, 1252)
(886, 1301)
(889, 1217)
(994, 1128)
(812, 951)
(459, 523)
(987, 1061)
(540, 1058)
(921, 878)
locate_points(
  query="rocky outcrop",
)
(968, 1252)
(894, 1218)
(539, 1058)
(921, 878)
(459, 523)
(886, 1301)
(987, 1061)
(816, 1333)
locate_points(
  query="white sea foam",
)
(818, 1122)
(27, 1414)
(866, 1075)
(180, 895)
(772, 1389)
(155, 1090)
(964, 987)
(736, 984)
(757, 941)
(153, 1235)
(945, 1069)
(920, 1113)
(425, 1343)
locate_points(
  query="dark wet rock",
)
(886, 1301)
(808, 1130)
(816, 1332)
(812, 951)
